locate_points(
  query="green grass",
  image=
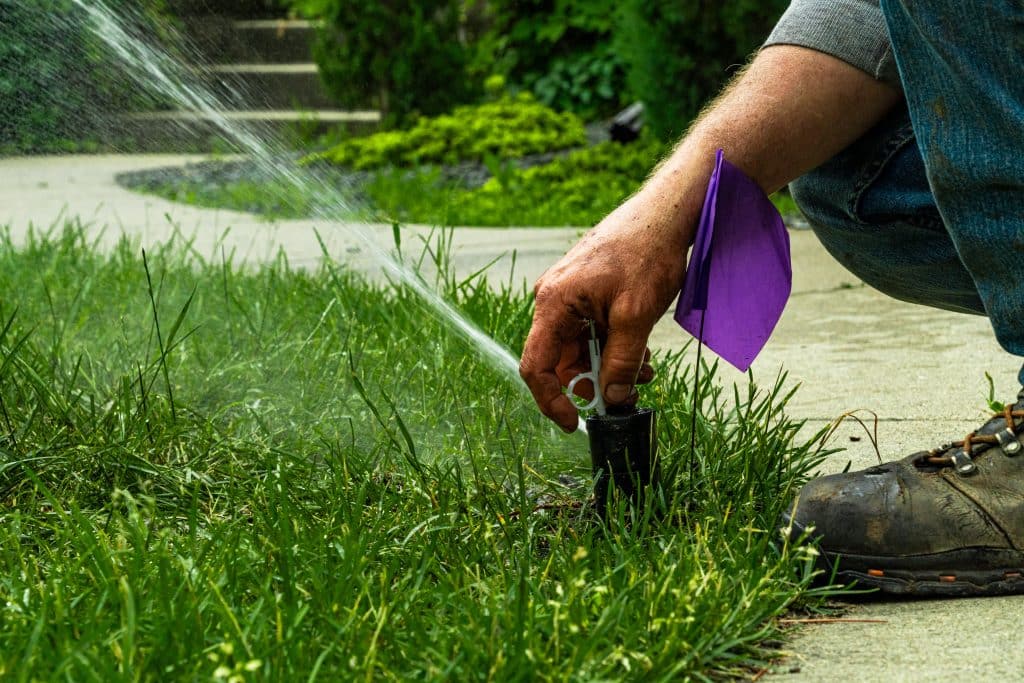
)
(210, 471)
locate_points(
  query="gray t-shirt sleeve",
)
(852, 30)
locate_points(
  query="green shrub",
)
(507, 128)
(679, 53)
(577, 189)
(561, 50)
(58, 86)
(242, 9)
(40, 88)
(404, 57)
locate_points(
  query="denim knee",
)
(960, 64)
(871, 208)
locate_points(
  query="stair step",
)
(325, 115)
(230, 8)
(188, 131)
(225, 40)
(259, 68)
(273, 24)
(270, 86)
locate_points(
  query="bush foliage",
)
(507, 128)
(58, 87)
(561, 50)
(679, 53)
(579, 188)
(404, 57)
(586, 56)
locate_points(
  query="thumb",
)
(621, 358)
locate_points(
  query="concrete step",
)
(223, 40)
(184, 131)
(239, 9)
(270, 86)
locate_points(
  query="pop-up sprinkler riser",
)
(623, 441)
(623, 453)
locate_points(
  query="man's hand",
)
(623, 274)
(791, 110)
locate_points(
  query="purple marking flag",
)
(740, 274)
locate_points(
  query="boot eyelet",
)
(1008, 442)
(963, 464)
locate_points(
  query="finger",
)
(647, 371)
(541, 355)
(584, 388)
(621, 361)
(646, 374)
(574, 361)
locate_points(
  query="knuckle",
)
(526, 371)
(544, 293)
(629, 310)
(622, 368)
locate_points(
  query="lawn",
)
(211, 471)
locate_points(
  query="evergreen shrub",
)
(507, 128)
(403, 57)
(578, 188)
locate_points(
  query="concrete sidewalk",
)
(43, 191)
(920, 371)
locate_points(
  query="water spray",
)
(159, 72)
(623, 441)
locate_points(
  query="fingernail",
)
(617, 393)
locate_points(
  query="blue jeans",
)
(928, 207)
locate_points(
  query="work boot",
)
(943, 522)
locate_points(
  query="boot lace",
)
(960, 454)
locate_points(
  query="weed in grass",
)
(302, 476)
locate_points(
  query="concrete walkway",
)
(40, 192)
(920, 371)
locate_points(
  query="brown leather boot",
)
(944, 522)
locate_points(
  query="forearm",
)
(790, 110)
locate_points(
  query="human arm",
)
(789, 111)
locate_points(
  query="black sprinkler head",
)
(623, 451)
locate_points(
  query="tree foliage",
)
(679, 53)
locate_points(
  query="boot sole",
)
(940, 575)
(966, 572)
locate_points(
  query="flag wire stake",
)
(696, 387)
